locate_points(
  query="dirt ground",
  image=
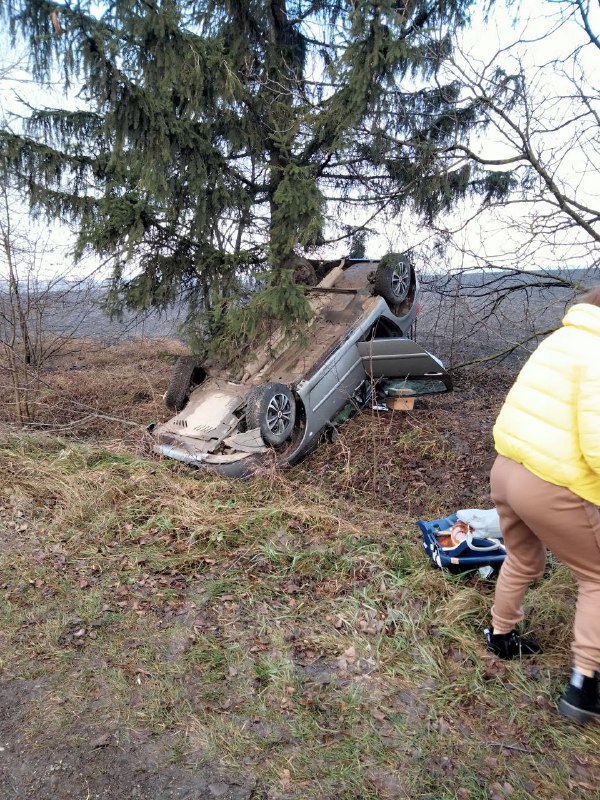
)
(82, 764)
(171, 637)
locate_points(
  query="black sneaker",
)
(580, 702)
(510, 645)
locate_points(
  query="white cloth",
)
(484, 522)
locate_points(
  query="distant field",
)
(462, 318)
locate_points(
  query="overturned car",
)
(357, 353)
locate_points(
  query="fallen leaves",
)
(101, 741)
(493, 667)
(350, 662)
(371, 622)
(389, 785)
(285, 777)
(500, 791)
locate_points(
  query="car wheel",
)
(187, 374)
(393, 278)
(271, 409)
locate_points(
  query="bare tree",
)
(511, 264)
(41, 308)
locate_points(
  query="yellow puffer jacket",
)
(550, 421)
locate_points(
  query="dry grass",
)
(426, 462)
(98, 393)
(281, 629)
(288, 627)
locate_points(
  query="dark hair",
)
(592, 296)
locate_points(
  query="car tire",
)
(272, 409)
(187, 374)
(393, 278)
(304, 273)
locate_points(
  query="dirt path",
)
(82, 765)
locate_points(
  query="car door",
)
(398, 357)
(337, 380)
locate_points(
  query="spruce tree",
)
(208, 135)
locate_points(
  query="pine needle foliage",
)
(212, 138)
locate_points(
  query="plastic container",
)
(474, 554)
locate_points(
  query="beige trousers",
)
(535, 515)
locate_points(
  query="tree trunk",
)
(279, 113)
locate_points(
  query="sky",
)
(519, 235)
(540, 42)
(543, 46)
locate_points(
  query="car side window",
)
(382, 328)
